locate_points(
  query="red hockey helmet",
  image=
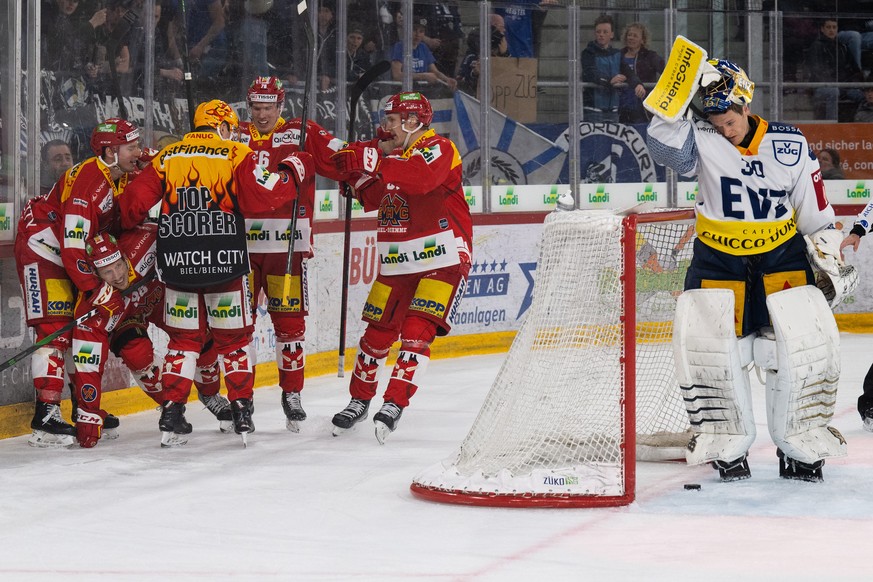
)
(214, 113)
(103, 250)
(266, 90)
(113, 131)
(406, 103)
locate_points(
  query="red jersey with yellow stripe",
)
(85, 198)
(424, 220)
(267, 231)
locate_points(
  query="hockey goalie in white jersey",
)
(750, 291)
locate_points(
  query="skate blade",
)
(171, 439)
(225, 426)
(382, 431)
(292, 425)
(46, 440)
(109, 434)
(245, 439)
(868, 424)
(338, 430)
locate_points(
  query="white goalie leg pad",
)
(802, 391)
(710, 368)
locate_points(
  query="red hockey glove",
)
(383, 135)
(299, 165)
(355, 160)
(148, 154)
(107, 297)
(89, 427)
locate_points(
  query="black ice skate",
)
(173, 425)
(294, 413)
(867, 419)
(386, 420)
(354, 412)
(49, 429)
(110, 427)
(735, 470)
(242, 409)
(219, 406)
(793, 469)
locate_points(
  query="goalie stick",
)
(79, 320)
(357, 90)
(310, 57)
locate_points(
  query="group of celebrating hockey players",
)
(96, 271)
(766, 271)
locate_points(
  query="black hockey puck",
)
(692, 487)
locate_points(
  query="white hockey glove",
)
(833, 276)
(823, 249)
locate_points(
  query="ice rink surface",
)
(311, 506)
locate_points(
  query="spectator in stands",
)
(207, 40)
(602, 72)
(113, 37)
(371, 16)
(646, 66)
(519, 26)
(68, 45)
(443, 33)
(829, 161)
(423, 64)
(828, 61)
(865, 109)
(357, 59)
(57, 158)
(468, 74)
(326, 65)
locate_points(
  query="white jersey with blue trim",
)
(750, 199)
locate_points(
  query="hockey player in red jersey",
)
(205, 184)
(424, 239)
(273, 138)
(122, 263)
(52, 266)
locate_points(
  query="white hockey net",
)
(557, 425)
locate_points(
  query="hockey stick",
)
(81, 319)
(186, 65)
(307, 87)
(357, 90)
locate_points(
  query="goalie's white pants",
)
(801, 363)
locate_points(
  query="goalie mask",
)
(734, 87)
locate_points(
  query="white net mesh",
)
(553, 424)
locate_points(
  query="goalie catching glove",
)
(833, 276)
(299, 165)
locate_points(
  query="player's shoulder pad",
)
(782, 127)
